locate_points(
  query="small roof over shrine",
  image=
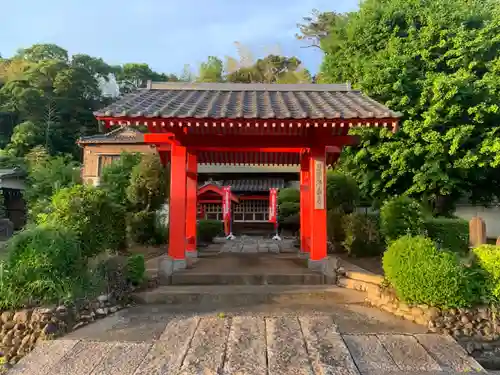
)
(247, 101)
(257, 124)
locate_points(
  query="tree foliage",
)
(46, 175)
(436, 62)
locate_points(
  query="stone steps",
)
(246, 279)
(230, 294)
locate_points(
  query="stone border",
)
(21, 329)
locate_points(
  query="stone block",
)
(167, 266)
(477, 231)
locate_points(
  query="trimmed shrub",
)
(207, 230)
(335, 230)
(422, 274)
(288, 195)
(399, 217)
(288, 209)
(290, 223)
(362, 235)
(44, 264)
(488, 259)
(136, 269)
(342, 192)
(90, 213)
(450, 234)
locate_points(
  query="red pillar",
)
(191, 203)
(317, 200)
(305, 228)
(177, 228)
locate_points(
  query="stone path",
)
(251, 344)
(255, 244)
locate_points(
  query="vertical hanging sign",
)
(319, 185)
(226, 208)
(273, 206)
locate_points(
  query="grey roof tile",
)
(123, 134)
(255, 185)
(247, 101)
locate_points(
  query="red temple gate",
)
(304, 125)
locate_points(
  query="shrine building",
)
(250, 184)
(193, 126)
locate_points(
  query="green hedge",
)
(362, 235)
(488, 258)
(401, 216)
(422, 274)
(207, 230)
(451, 234)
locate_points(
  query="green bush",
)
(422, 274)
(207, 230)
(44, 264)
(89, 212)
(115, 177)
(288, 195)
(288, 209)
(335, 230)
(342, 192)
(290, 223)
(148, 184)
(362, 235)
(141, 227)
(488, 259)
(399, 217)
(451, 234)
(136, 269)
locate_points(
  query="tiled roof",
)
(120, 135)
(247, 101)
(255, 185)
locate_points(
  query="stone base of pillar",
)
(167, 266)
(192, 254)
(317, 265)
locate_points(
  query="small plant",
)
(399, 217)
(136, 269)
(422, 274)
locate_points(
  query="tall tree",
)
(131, 76)
(270, 69)
(211, 71)
(52, 95)
(437, 62)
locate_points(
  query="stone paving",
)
(250, 344)
(255, 244)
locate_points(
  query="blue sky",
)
(166, 34)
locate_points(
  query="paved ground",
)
(267, 339)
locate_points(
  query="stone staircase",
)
(353, 277)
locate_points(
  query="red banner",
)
(273, 205)
(226, 208)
